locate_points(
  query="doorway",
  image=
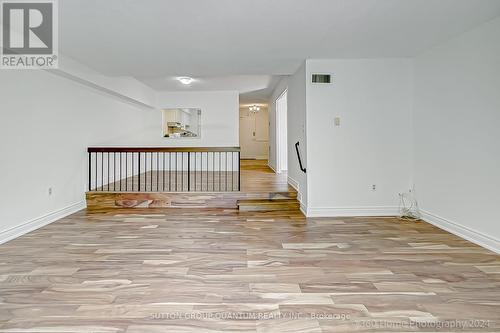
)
(254, 132)
(281, 133)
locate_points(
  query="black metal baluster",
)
(169, 172)
(120, 171)
(126, 171)
(189, 172)
(102, 171)
(90, 171)
(163, 172)
(96, 171)
(139, 172)
(132, 169)
(108, 170)
(239, 171)
(220, 157)
(157, 170)
(114, 171)
(232, 171)
(225, 170)
(207, 171)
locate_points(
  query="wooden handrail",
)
(160, 149)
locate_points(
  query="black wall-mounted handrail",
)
(298, 156)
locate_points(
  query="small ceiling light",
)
(254, 108)
(185, 80)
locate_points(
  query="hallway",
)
(256, 176)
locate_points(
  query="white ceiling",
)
(223, 42)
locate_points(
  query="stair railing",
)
(298, 156)
(164, 169)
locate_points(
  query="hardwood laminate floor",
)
(192, 270)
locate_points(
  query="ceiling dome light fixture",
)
(254, 108)
(185, 80)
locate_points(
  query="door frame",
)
(281, 111)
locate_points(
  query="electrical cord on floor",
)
(408, 207)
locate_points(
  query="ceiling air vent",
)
(321, 78)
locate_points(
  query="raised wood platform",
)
(267, 205)
(265, 189)
(107, 200)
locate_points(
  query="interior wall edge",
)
(103, 90)
(36, 223)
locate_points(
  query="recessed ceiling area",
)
(241, 83)
(252, 88)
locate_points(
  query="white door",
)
(254, 133)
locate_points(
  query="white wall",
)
(254, 146)
(456, 120)
(372, 145)
(278, 90)
(296, 131)
(47, 124)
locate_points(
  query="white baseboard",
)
(293, 183)
(260, 157)
(474, 236)
(271, 167)
(9, 234)
(303, 208)
(351, 211)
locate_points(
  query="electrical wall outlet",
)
(336, 121)
(50, 191)
(374, 187)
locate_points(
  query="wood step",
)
(107, 200)
(258, 205)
